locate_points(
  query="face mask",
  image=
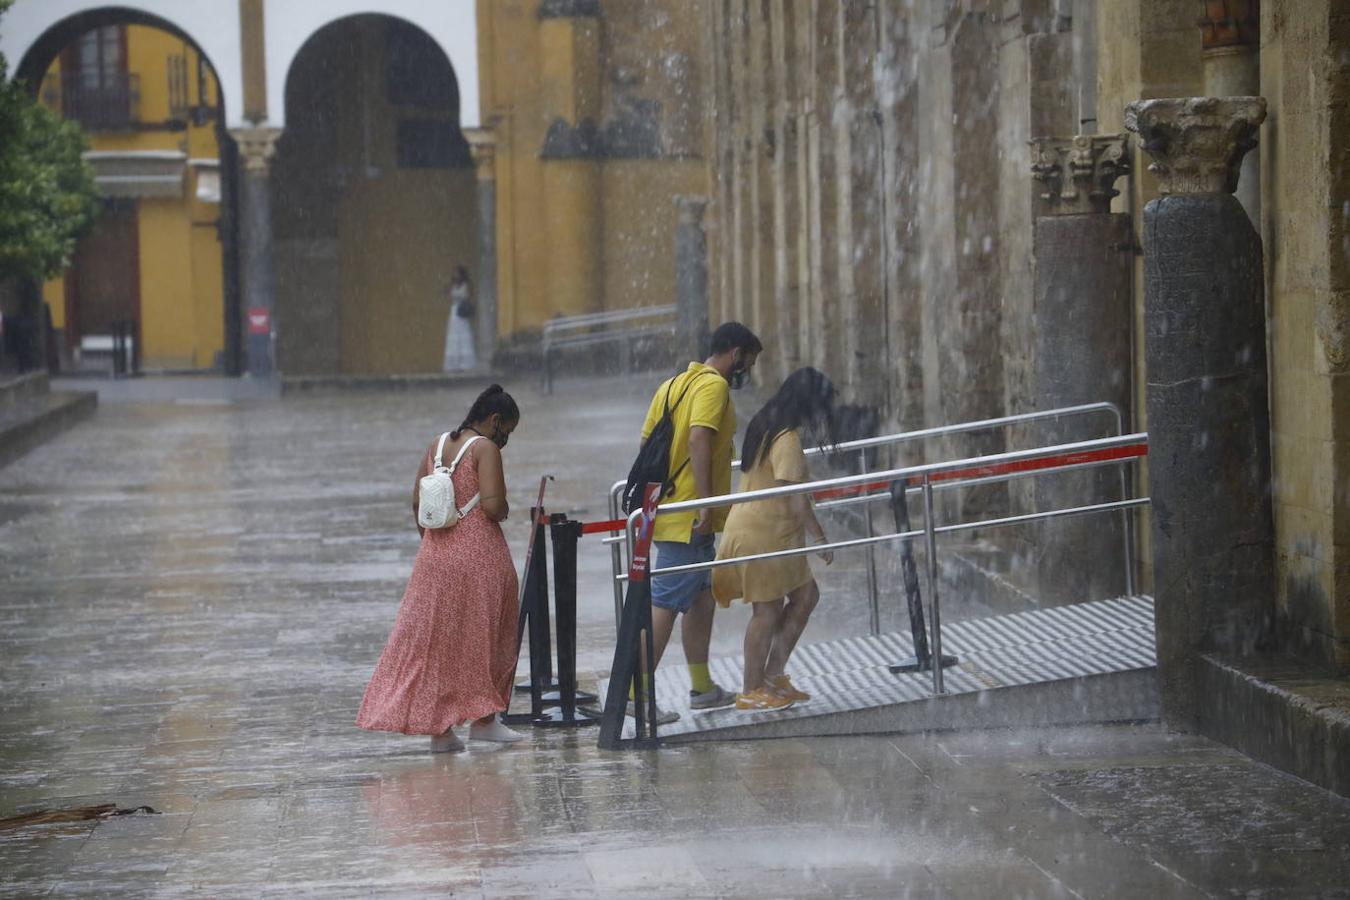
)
(499, 438)
(739, 376)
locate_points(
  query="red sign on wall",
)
(643, 546)
(259, 320)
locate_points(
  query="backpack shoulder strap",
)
(687, 388)
(460, 455)
(440, 448)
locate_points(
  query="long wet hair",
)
(805, 401)
(493, 400)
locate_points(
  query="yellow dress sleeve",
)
(787, 459)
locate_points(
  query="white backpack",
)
(436, 492)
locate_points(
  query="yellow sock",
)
(699, 679)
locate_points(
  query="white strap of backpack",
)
(468, 507)
(460, 455)
(440, 448)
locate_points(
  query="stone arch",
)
(451, 24)
(35, 31)
(374, 200)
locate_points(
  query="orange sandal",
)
(783, 686)
(762, 698)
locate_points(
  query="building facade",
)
(150, 105)
(367, 150)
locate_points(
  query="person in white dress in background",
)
(459, 351)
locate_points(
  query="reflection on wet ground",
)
(193, 594)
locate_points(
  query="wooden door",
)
(104, 283)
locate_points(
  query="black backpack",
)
(653, 460)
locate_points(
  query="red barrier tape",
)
(1130, 451)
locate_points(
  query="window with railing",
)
(94, 87)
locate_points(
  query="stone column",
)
(1231, 37)
(1209, 425)
(691, 278)
(1082, 298)
(257, 279)
(483, 144)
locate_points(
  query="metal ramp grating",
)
(849, 678)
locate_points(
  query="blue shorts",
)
(677, 592)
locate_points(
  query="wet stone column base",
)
(1209, 435)
(1083, 297)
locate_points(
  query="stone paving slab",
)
(192, 596)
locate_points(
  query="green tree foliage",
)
(47, 194)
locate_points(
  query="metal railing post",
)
(616, 565)
(873, 595)
(935, 616)
(1126, 519)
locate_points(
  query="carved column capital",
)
(1197, 143)
(483, 147)
(1079, 172)
(257, 146)
(691, 207)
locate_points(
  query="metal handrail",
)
(925, 474)
(619, 562)
(590, 320)
(905, 473)
(554, 336)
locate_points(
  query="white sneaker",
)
(446, 743)
(495, 732)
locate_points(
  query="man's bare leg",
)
(663, 624)
(696, 631)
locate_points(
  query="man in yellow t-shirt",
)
(700, 464)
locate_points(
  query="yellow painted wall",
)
(167, 320)
(639, 228)
(581, 235)
(181, 263)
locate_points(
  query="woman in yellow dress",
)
(782, 591)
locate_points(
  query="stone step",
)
(20, 388)
(1281, 711)
(27, 421)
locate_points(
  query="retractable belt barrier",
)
(553, 703)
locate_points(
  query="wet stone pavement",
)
(195, 585)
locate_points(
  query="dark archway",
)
(374, 201)
(32, 69)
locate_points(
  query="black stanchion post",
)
(922, 660)
(541, 665)
(533, 598)
(633, 652)
(626, 671)
(565, 534)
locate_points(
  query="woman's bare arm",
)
(422, 470)
(491, 480)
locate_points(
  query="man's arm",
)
(701, 440)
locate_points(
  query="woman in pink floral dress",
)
(451, 657)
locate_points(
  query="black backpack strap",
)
(687, 388)
(670, 482)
